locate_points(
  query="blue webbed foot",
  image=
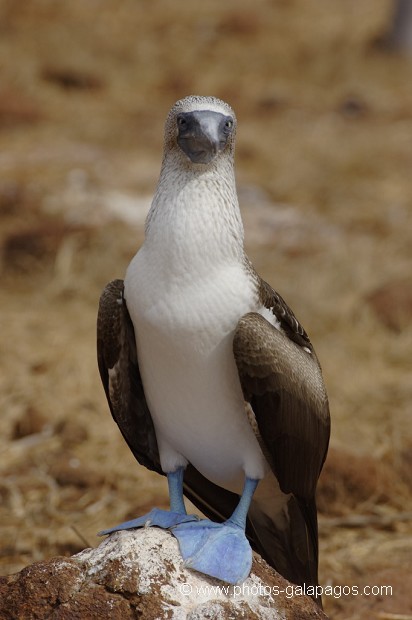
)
(220, 550)
(156, 517)
(161, 518)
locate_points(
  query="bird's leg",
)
(161, 518)
(219, 549)
(240, 513)
(175, 483)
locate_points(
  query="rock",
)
(140, 574)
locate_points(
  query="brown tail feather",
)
(291, 550)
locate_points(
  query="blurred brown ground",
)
(324, 163)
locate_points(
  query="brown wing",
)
(282, 380)
(119, 371)
(283, 383)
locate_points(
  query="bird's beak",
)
(202, 135)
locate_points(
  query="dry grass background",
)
(324, 164)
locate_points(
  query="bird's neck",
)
(194, 219)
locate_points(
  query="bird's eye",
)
(228, 126)
(181, 121)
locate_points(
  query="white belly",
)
(184, 332)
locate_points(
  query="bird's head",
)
(200, 129)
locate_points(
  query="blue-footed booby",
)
(210, 377)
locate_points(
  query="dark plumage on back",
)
(120, 375)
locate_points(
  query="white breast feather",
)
(185, 290)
